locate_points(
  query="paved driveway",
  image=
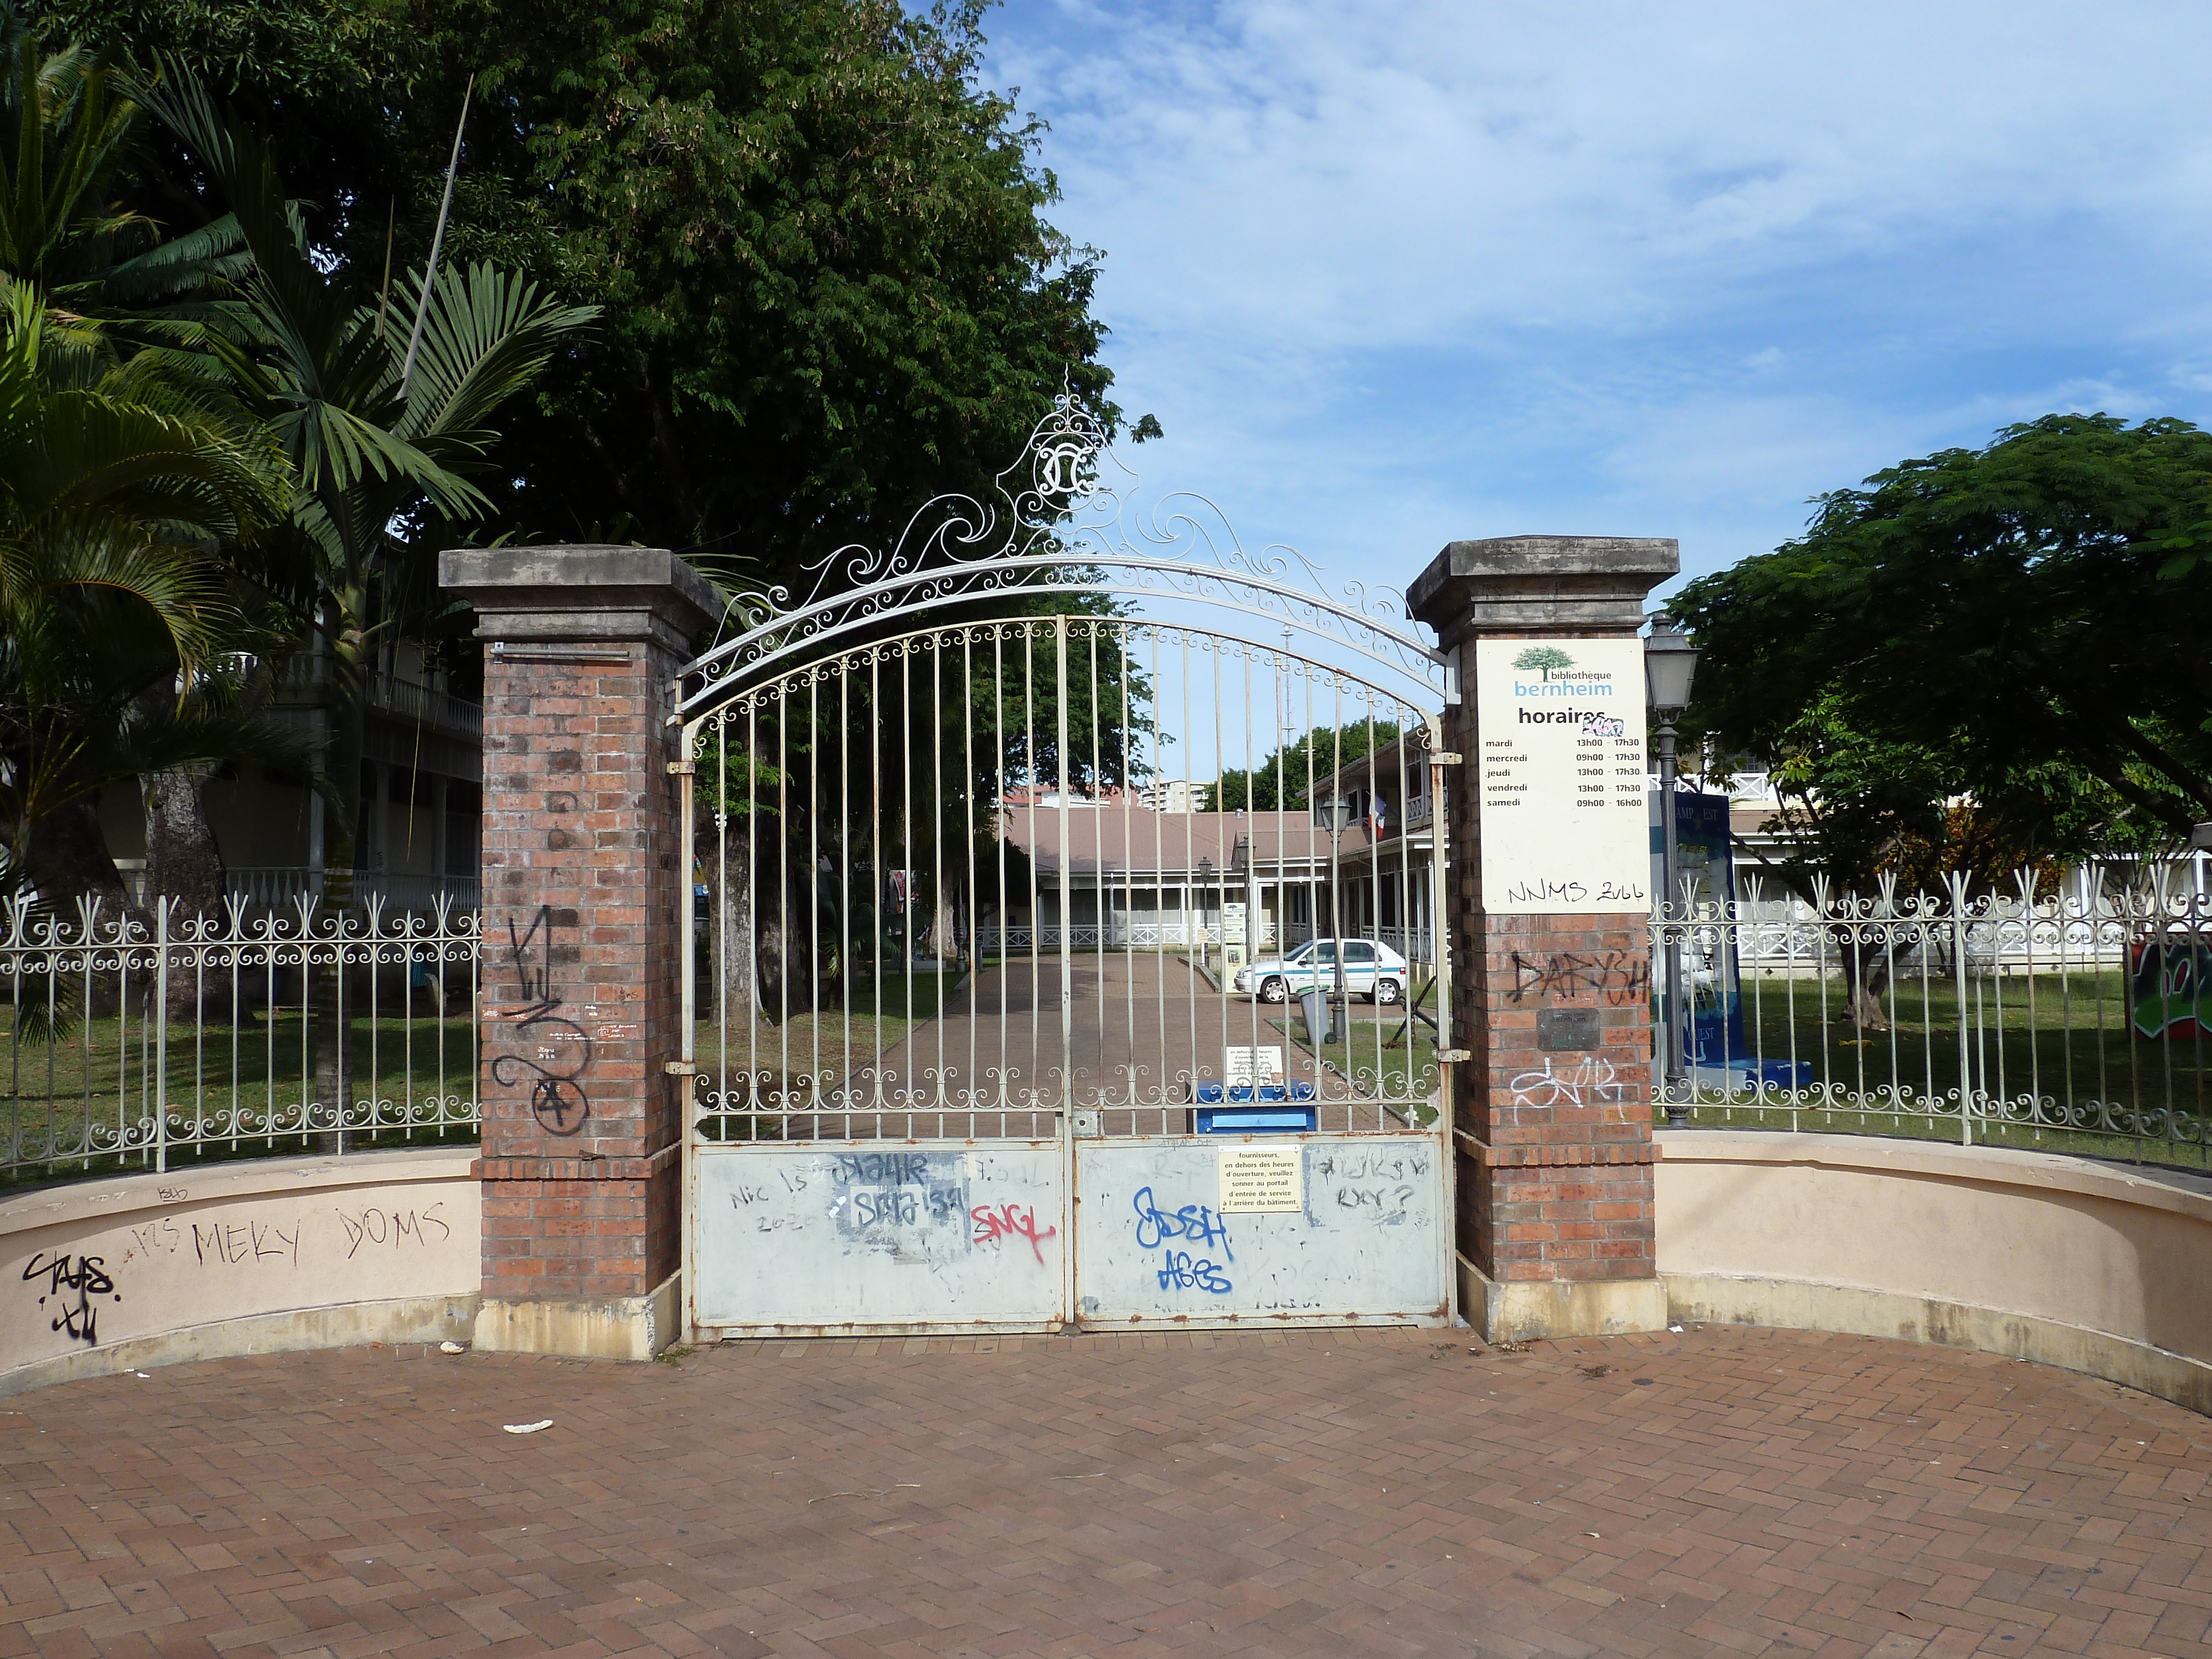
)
(1144, 1024)
(1722, 1491)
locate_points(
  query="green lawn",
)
(2052, 1061)
(1377, 1055)
(58, 1098)
(787, 1063)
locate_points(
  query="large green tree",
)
(2016, 611)
(829, 289)
(1286, 779)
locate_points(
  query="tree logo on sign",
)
(1543, 659)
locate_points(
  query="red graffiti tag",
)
(1010, 1221)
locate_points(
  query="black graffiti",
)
(1621, 977)
(84, 1277)
(557, 1100)
(886, 1169)
(233, 1243)
(395, 1227)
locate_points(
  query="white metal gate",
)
(1003, 923)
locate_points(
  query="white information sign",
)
(1559, 732)
(1261, 1180)
(1251, 1064)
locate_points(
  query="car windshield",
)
(1300, 954)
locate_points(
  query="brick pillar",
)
(1554, 1179)
(579, 1011)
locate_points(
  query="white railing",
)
(1414, 944)
(1996, 1018)
(405, 700)
(1786, 935)
(306, 679)
(133, 1044)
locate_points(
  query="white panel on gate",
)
(1155, 1242)
(802, 1237)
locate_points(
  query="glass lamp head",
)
(1670, 667)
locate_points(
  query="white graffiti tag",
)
(1591, 1080)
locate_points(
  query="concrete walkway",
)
(1144, 1024)
(1720, 1491)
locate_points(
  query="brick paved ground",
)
(1724, 1492)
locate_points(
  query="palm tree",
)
(113, 288)
(67, 134)
(118, 485)
(375, 442)
(306, 353)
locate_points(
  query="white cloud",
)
(1378, 175)
(1394, 274)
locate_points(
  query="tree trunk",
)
(1866, 977)
(183, 862)
(183, 865)
(730, 937)
(328, 1008)
(68, 860)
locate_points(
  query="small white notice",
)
(1251, 1066)
(1560, 777)
(1261, 1180)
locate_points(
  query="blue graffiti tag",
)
(1178, 1271)
(1196, 1221)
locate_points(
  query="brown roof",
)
(1123, 836)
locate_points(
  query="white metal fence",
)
(140, 1040)
(2003, 1017)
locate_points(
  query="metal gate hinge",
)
(679, 1069)
(1448, 757)
(1453, 1056)
(684, 769)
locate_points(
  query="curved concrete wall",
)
(108, 1275)
(2098, 1267)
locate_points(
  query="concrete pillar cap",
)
(1541, 584)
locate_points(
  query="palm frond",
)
(486, 335)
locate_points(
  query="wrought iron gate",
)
(1050, 963)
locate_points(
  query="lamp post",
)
(1333, 815)
(1240, 860)
(1205, 894)
(1670, 665)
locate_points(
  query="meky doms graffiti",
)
(71, 1287)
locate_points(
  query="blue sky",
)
(1395, 275)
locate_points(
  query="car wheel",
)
(1274, 990)
(1386, 992)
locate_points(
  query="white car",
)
(1371, 969)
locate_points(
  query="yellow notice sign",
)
(1255, 1179)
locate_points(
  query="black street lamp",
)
(1205, 897)
(1670, 666)
(1334, 816)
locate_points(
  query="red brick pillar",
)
(579, 1010)
(1551, 971)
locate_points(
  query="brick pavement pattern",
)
(1724, 1490)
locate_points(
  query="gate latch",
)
(1453, 1056)
(684, 769)
(679, 1069)
(1448, 757)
